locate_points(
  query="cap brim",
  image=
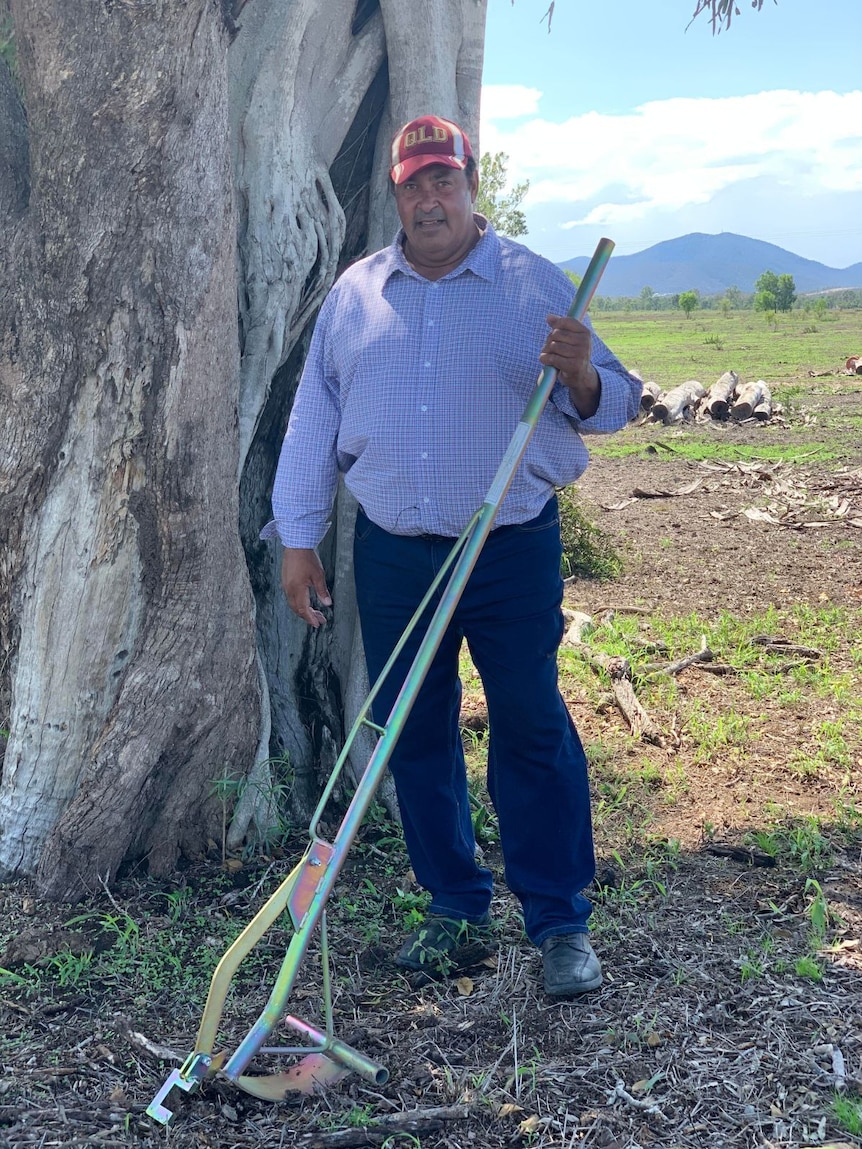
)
(408, 168)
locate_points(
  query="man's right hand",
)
(302, 572)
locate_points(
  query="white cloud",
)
(672, 154)
(509, 101)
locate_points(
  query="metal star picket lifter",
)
(305, 890)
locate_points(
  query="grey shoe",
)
(571, 965)
(441, 945)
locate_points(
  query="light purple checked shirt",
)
(413, 388)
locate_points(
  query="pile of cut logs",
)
(727, 398)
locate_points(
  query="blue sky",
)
(629, 124)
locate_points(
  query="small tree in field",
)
(781, 287)
(764, 300)
(688, 301)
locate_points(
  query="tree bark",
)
(134, 681)
(720, 395)
(678, 403)
(146, 416)
(747, 398)
(762, 409)
(303, 145)
(650, 395)
(14, 153)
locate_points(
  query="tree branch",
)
(721, 12)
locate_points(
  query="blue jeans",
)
(537, 771)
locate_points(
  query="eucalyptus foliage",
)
(500, 207)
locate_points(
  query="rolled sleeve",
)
(619, 397)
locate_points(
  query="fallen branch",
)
(727, 399)
(741, 854)
(650, 395)
(784, 646)
(648, 645)
(762, 410)
(136, 1039)
(619, 670)
(581, 625)
(664, 493)
(661, 493)
(620, 1091)
(702, 655)
(369, 1135)
(613, 609)
(678, 403)
(748, 397)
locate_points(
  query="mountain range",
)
(712, 263)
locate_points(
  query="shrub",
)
(588, 552)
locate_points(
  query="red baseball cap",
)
(428, 140)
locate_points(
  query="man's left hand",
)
(568, 348)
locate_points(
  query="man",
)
(421, 364)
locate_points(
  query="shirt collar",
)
(483, 259)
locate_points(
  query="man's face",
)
(435, 206)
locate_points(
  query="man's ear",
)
(474, 184)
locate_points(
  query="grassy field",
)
(667, 347)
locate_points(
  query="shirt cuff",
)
(604, 419)
(294, 537)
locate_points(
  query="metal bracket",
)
(187, 1078)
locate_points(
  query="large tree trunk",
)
(134, 401)
(294, 234)
(134, 679)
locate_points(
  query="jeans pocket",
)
(547, 519)
(364, 526)
(535, 526)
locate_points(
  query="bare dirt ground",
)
(699, 553)
(731, 1014)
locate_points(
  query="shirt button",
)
(426, 500)
(424, 454)
(427, 362)
(430, 322)
(423, 408)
